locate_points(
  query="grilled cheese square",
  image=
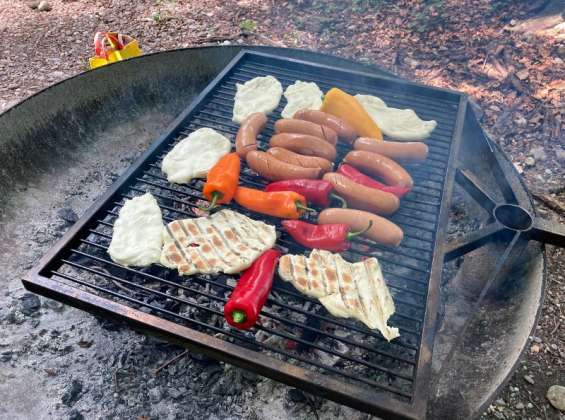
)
(347, 291)
(224, 242)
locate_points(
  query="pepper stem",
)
(352, 235)
(340, 199)
(302, 207)
(238, 316)
(216, 195)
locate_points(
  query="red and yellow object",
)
(222, 180)
(110, 47)
(344, 106)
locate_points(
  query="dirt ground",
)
(508, 56)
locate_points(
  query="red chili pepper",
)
(332, 237)
(243, 307)
(316, 191)
(359, 177)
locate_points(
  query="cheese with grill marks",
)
(346, 290)
(225, 242)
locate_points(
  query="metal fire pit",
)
(392, 379)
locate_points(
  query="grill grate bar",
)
(258, 327)
(235, 336)
(264, 313)
(331, 320)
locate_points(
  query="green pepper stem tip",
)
(238, 316)
(351, 235)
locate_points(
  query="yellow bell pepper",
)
(346, 107)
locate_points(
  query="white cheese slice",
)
(398, 124)
(195, 155)
(301, 95)
(261, 94)
(137, 240)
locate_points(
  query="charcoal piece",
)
(72, 393)
(30, 304)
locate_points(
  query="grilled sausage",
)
(246, 139)
(301, 160)
(380, 166)
(290, 125)
(273, 169)
(413, 151)
(361, 197)
(343, 129)
(304, 144)
(383, 231)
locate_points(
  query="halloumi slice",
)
(225, 242)
(195, 155)
(349, 290)
(261, 94)
(398, 124)
(301, 95)
(136, 240)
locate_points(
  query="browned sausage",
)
(301, 160)
(304, 144)
(361, 197)
(273, 169)
(246, 139)
(290, 125)
(380, 166)
(383, 231)
(343, 129)
(413, 151)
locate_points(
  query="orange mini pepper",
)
(222, 180)
(344, 106)
(284, 204)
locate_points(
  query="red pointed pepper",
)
(332, 237)
(247, 299)
(359, 177)
(316, 191)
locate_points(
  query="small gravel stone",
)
(75, 415)
(155, 394)
(30, 304)
(15, 317)
(6, 356)
(44, 6)
(529, 379)
(33, 4)
(560, 153)
(67, 214)
(530, 161)
(54, 305)
(520, 406)
(538, 153)
(556, 396)
(500, 401)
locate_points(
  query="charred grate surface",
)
(293, 328)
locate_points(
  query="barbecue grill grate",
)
(337, 358)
